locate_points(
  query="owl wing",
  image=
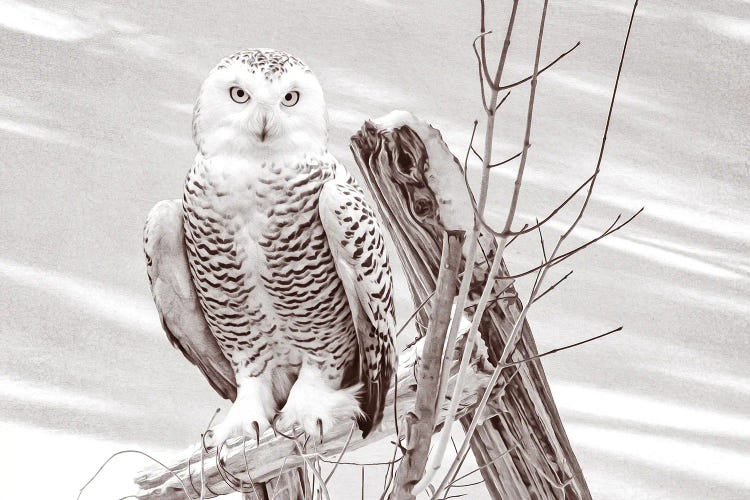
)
(358, 248)
(176, 300)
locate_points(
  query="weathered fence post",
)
(407, 166)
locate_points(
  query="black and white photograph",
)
(374, 250)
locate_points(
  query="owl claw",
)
(256, 427)
(242, 420)
(209, 434)
(273, 425)
(316, 407)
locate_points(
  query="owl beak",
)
(263, 134)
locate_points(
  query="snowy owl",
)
(271, 274)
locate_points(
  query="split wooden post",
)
(409, 168)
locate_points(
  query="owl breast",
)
(261, 263)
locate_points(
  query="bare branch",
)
(315, 472)
(468, 150)
(421, 422)
(494, 270)
(482, 29)
(494, 83)
(548, 290)
(527, 229)
(467, 484)
(505, 97)
(482, 65)
(541, 240)
(341, 455)
(414, 314)
(606, 126)
(510, 343)
(390, 472)
(553, 262)
(485, 465)
(570, 346)
(361, 464)
(519, 82)
(471, 259)
(507, 160)
(137, 452)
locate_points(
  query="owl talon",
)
(256, 427)
(320, 430)
(209, 434)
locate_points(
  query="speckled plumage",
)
(272, 63)
(261, 262)
(286, 259)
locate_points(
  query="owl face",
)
(262, 103)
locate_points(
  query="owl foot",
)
(316, 408)
(248, 417)
(236, 427)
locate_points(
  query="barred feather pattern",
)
(265, 275)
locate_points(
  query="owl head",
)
(260, 102)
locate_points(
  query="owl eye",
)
(238, 95)
(290, 98)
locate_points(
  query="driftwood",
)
(420, 190)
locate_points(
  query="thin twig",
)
(315, 472)
(414, 314)
(481, 66)
(278, 479)
(570, 346)
(483, 63)
(473, 240)
(510, 342)
(360, 464)
(527, 228)
(467, 484)
(606, 126)
(390, 472)
(614, 227)
(502, 101)
(138, 452)
(470, 148)
(507, 160)
(519, 82)
(541, 240)
(486, 464)
(341, 455)
(203, 450)
(440, 449)
(548, 290)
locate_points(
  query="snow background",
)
(95, 106)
